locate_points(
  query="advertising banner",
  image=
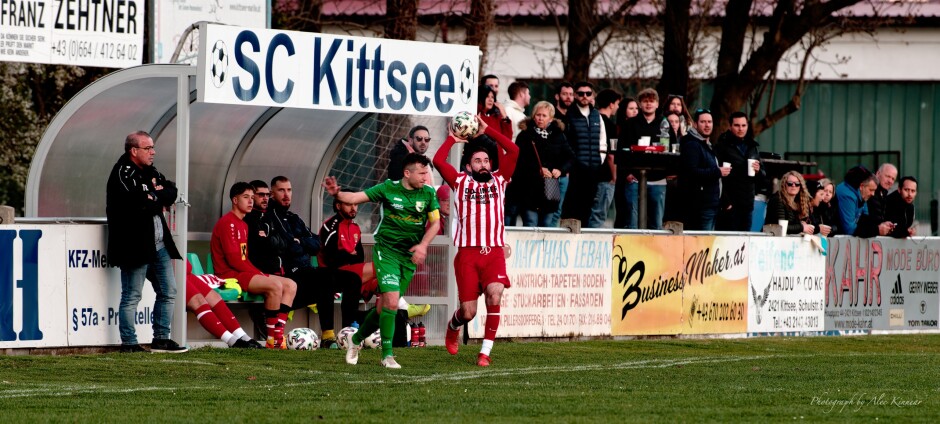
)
(32, 286)
(786, 286)
(715, 295)
(171, 18)
(647, 285)
(560, 287)
(105, 33)
(882, 284)
(94, 291)
(244, 66)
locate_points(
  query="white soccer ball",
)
(467, 81)
(374, 341)
(218, 63)
(464, 125)
(302, 339)
(341, 336)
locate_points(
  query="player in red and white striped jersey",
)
(480, 264)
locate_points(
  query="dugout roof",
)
(227, 143)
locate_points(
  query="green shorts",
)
(393, 270)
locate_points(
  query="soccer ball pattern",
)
(464, 125)
(218, 63)
(374, 341)
(302, 339)
(467, 81)
(341, 336)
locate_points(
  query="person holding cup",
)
(791, 203)
(699, 175)
(738, 147)
(823, 215)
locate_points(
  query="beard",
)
(481, 176)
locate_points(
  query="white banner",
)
(105, 33)
(94, 291)
(32, 286)
(243, 66)
(786, 286)
(560, 287)
(171, 18)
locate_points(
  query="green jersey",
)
(405, 213)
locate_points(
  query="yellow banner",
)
(715, 295)
(647, 285)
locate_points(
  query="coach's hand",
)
(418, 253)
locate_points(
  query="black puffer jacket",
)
(132, 202)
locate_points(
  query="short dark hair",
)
(488, 76)
(482, 92)
(416, 128)
(415, 158)
(516, 88)
(606, 98)
(563, 84)
(256, 184)
(700, 112)
(133, 140)
(239, 188)
(336, 201)
(906, 178)
(279, 179)
(580, 84)
(736, 115)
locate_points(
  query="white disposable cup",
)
(783, 223)
(644, 141)
(726, 164)
(750, 167)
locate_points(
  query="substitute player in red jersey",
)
(212, 312)
(480, 264)
(229, 246)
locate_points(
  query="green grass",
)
(743, 380)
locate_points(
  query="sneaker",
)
(389, 362)
(329, 344)
(352, 353)
(450, 340)
(166, 346)
(247, 344)
(483, 360)
(134, 348)
(418, 310)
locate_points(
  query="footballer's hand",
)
(419, 253)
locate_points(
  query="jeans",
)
(707, 219)
(602, 201)
(511, 211)
(630, 194)
(160, 273)
(534, 218)
(563, 186)
(655, 205)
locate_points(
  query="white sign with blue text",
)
(245, 66)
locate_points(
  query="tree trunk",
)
(478, 24)
(401, 19)
(581, 20)
(675, 78)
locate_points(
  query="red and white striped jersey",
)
(479, 211)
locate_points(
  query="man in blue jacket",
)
(699, 174)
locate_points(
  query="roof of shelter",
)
(543, 8)
(227, 143)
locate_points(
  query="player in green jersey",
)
(410, 220)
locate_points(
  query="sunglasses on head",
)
(700, 110)
(675, 96)
(585, 93)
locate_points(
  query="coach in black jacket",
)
(736, 146)
(139, 241)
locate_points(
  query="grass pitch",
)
(812, 379)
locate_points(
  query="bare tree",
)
(585, 25)
(479, 23)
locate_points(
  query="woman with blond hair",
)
(544, 153)
(791, 203)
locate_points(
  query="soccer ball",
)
(302, 339)
(374, 341)
(218, 63)
(464, 125)
(467, 77)
(341, 336)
